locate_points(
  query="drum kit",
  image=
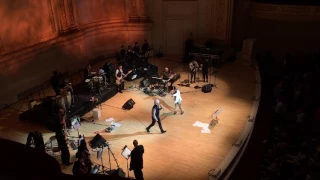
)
(97, 83)
(156, 87)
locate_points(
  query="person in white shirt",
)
(178, 100)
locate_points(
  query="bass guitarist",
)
(120, 75)
(120, 78)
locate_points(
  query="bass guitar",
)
(120, 80)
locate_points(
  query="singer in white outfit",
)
(178, 100)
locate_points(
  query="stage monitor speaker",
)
(97, 142)
(128, 105)
(144, 83)
(207, 88)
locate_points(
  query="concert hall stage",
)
(42, 113)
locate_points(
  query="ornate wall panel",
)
(142, 8)
(133, 9)
(24, 23)
(223, 12)
(100, 10)
(285, 12)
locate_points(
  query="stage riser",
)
(42, 114)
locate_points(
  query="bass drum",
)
(68, 99)
(61, 103)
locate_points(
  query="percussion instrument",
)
(68, 99)
(97, 79)
(87, 80)
(61, 103)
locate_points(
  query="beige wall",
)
(38, 37)
(174, 20)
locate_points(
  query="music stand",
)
(126, 152)
(214, 121)
(76, 124)
(216, 114)
(134, 76)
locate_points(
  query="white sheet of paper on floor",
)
(204, 126)
(109, 119)
(116, 124)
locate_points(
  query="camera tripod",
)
(109, 171)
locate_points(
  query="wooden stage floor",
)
(181, 153)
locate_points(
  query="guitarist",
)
(120, 75)
(193, 68)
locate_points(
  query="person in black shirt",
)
(145, 48)
(81, 166)
(120, 75)
(205, 69)
(136, 48)
(122, 52)
(136, 163)
(55, 83)
(155, 116)
(62, 144)
(87, 72)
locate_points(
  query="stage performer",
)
(155, 116)
(55, 83)
(62, 144)
(167, 75)
(87, 72)
(81, 166)
(136, 163)
(193, 68)
(120, 75)
(177, 100)
(205, 70)
(145, 49)
(136, 48)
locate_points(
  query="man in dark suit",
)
(55, 82)
(136, 163)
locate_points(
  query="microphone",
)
(124, 147)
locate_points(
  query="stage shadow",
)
(165, 115)
(162, 103)
(118, 136)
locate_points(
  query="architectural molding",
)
(71, 13)
(223, 13)
(142, 8)
(133, 9)
(65, 18)
(17, 56)
(285, 12)
(52, 18)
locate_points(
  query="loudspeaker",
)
(207, 88)
(128, 105)
(97, 141)
(144, 83)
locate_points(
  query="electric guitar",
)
(121, 79)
